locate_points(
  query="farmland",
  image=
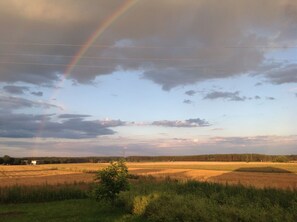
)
(263, 174)
(178, 191)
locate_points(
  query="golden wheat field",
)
(277, 175)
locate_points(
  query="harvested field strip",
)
(228, 166)
(278, 175)
(50, 180)
(218, 166)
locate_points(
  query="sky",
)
(147, 77)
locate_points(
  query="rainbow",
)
(99, 31)
(127, 4)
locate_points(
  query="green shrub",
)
(111, 181)
(177, 208)
(140, 203)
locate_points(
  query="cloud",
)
(111, 145)
(270, 98)
(254, 140)
(187, 101)
(28, 126)
(105, 123)
(113, 123)
(13, 103)
(37, 93)
(177, 123)
(72, 116)
(257, 97)
(230, 96)
(18, 90)
(190, 41)
(217, 129)
(190, 92)
(282, 75)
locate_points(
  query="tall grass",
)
(168, 200)
(171, 200)
(44, 193)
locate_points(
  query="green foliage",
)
(111, 181)
(7, 159)
(44, 193)
(84, 210)
(153, 200)
(281, 159)
(141, 202)
(171, 200)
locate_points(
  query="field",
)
(275, 175)
(178, 191)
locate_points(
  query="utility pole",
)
(124, 152)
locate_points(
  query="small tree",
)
(281, 159)
(7, 159)
(111, 181)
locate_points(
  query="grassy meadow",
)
(151, 199)
(77, 210)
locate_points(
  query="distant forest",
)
(212, 157)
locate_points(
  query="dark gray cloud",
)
(186, 123)
(286, 74)
(29, 126)
(13, 103)
(231, 96)
(190, 92)
(188, 101)
(18, 90)
(39, 93)
(105, 123)
(257, 97)
(192, 40)
(72, 116)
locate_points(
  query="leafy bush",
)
(111, 181)
(141, 202)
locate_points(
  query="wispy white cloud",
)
(186, 123)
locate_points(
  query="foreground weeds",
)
(150, 199)
(44, 193)
(171, 200)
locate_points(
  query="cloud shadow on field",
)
(260, 177)
(263, 170)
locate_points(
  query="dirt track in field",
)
(277, 175)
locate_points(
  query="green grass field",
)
(154, 200)
(64, 211)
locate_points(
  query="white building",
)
(34, 162)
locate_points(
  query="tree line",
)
(7, 160)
